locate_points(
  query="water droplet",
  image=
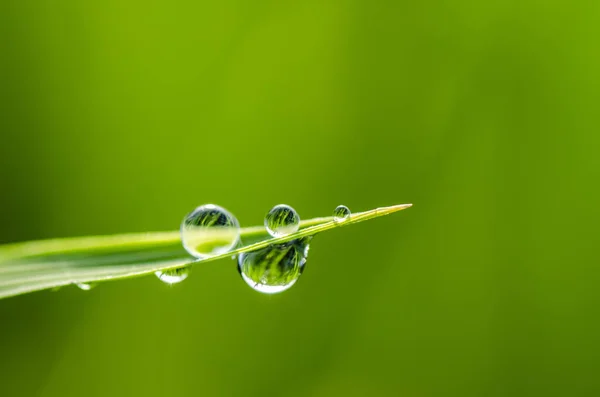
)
(209, 230)
(85, 286)
(173, 276)
(275, 268)
(282, 220)
(341, 213)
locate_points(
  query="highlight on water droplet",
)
(209, 230)
(85, 286)
(173, 276)
(341, 213)
(282, 220)
(275, 268)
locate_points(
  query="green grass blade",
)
(37, 265)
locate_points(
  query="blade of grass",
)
(37, 265)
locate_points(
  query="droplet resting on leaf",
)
(341, 213)
(282, 220)
(209, 230)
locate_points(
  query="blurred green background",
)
(122, 116)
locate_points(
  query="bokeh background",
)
(122, 116)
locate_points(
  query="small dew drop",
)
(173, 276)
(85, 286)
(341, 213)
(282, 220)
(275, 268)
(209, 230)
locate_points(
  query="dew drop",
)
(275, 268)
(209, 230)
(282, 220)
(341, 213)
(173, 276)
(85, 286)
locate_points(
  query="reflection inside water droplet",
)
(282, 220)
(275, 268)
(173, 276)
(341, 213)
(209, 230)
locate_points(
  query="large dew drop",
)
(275, 268)
(341, 213)
(209, 230)
(173, 276)
(282, 220)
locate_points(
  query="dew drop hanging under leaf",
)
(173, 276)
(275, 268)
